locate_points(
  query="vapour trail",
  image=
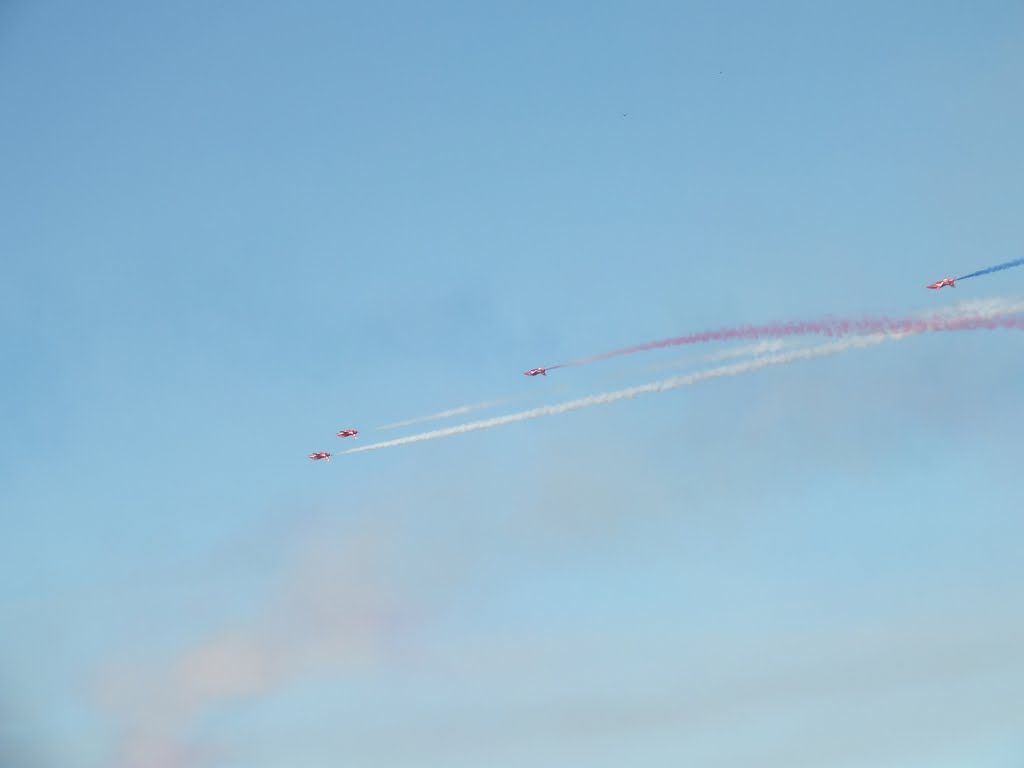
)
(934, 324)
(732, 353)
(444, 414)
(761, 348)
(832, 327)
(967, 308)
(996, 268)
(989, 306)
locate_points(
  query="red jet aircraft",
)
(347, 433)
(320, 455)
(535, 371)
(950, 281)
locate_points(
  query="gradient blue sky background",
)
(231, 229)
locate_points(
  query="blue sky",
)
(231, 231)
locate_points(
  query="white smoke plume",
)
(762, 347)
(966, 314)
(444, 414)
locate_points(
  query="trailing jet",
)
(950, 281)
(347, 433)
(535, 371)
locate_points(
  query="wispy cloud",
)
(333, 610)
(843, 694)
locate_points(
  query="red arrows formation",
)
(776, 330)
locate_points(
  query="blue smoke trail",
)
(996, 268)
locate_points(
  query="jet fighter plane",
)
(320, 455)
(347, 433)
(950, 281)
(535, 371)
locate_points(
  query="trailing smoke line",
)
(996, 268)
(909, 328)
(831, 327)
(444, 414)
(762, 347)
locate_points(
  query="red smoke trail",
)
(901, 330)
(830, 327)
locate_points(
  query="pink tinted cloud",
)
(333, 610)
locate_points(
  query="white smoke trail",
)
(749, 350)
(988, 307)
(992, 306)
(966, 313)
(630, 392)
(444, 414)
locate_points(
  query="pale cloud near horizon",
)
(897, 691)
(332, 611)
(852, 690)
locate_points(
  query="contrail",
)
(445, 414)
(832, 327)
(761, 348)
(905, 328)
(996, 268)
(989, 307)
(732, 353)
(968, 307)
